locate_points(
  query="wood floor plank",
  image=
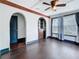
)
(49, 49)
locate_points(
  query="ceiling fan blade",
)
(61, 5)
(46, 3)
(47, 8)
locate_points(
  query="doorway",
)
(17, 31)
(13, 30)
(42, 28)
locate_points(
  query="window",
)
(55, 27)
(70, 27)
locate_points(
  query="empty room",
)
(39, 29)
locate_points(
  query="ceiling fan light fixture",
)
(54, 8)
(54, 4)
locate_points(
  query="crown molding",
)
(22, 8)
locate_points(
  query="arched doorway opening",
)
(17, 31)
(41, 29)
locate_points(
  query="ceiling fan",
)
(54, 4)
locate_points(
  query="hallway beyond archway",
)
(17, 31)
(42, 28)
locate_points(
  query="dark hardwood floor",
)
(49, 49)
(17, 46)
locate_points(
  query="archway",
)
(41, 29)
(17, 31)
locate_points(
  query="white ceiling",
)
(37, 4)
